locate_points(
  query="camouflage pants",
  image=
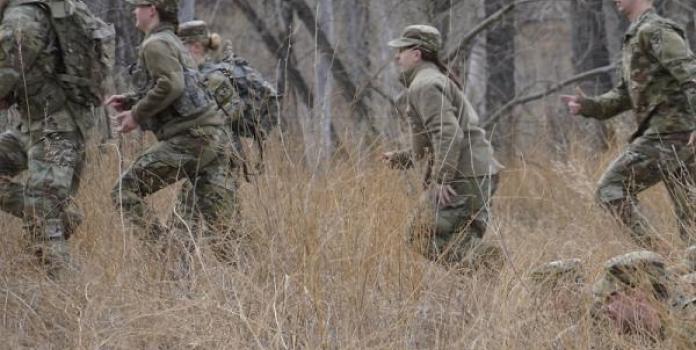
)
(195, 156)
(453, 234)
(646, 162)
(54, 161)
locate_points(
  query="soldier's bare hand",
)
(387, 158)
(692, 139)
(573, 103)
(126, 122)
(117, 102)
(443, 195)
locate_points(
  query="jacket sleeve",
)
(609, 104)
(670, 49)
(162, 62)
(24, 33)
(442, 128)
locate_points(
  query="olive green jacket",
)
(444, 127)
(169, 98)
(657, 79)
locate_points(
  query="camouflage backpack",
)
(87, 46)
(249, 102)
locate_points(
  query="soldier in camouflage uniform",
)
(657, 80)
(47, 140)
(635, 292)
(461, 170)
(170, 102)
(248, 102)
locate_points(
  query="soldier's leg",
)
(54, 164)
(464, 244)
(216, 200)
(13, 160)
(155, 169)
(680, 181)
(634, 170)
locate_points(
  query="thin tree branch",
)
(274, 45)
(485, 24)
(535, 96)
(338, 68)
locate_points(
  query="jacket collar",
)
(408, 76)
(633, 28)
(162, 27)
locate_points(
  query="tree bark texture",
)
(589, 51)
(500, 63)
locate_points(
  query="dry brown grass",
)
(326, 268)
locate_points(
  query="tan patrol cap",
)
(420, 35)
(193, 31)
(168, 6)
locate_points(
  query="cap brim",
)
(401, 42)
(137, 2)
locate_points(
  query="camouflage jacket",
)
(656, 78)
(444, 125)
(246, 99)
(29, 64)
(169, 97)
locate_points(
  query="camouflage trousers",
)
(453, 234)
(644, 163)
(54, 162)
(207, 197)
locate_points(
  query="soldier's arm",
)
(669, 48)
(162, 61)
(609, 104)
(24, 32)
(442, 128)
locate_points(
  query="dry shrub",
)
(325, 267)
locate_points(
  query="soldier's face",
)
(144, 16)
(197, 51)
(407, 58)
(627, 7)
(632, 311)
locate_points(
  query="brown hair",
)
(434, 58)
(168, 17)
(214, 41)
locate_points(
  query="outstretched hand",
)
(574, 102)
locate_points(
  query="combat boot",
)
(53, 251)
(72, 217)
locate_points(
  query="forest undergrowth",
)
(325, 266)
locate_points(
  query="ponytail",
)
(214, 41)
(432, 57)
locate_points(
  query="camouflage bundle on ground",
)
(87, 49)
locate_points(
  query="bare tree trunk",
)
(357, 41)
(500, 63)
(590, 50)
(187, 10)
(324, 84)
(348, 88)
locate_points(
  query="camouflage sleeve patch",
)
(24, 34)
(669, 48)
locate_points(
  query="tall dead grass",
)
(326, 268)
